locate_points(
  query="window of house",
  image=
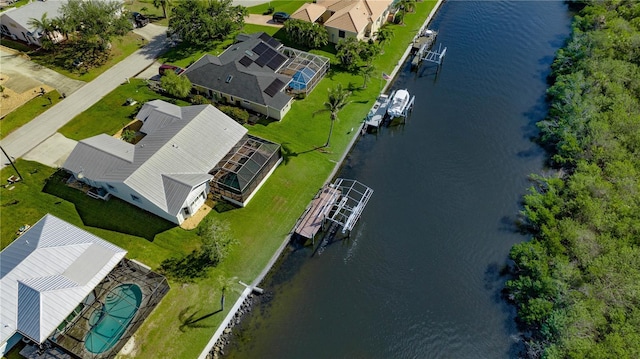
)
(135, 198)
(5, 30)
(341, 34)
(111, 188)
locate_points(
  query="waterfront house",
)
(246, 75)
(186, 153)
(46, 273)
(68, 293)
(346, 18)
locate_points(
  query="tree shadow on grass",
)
(113, 215)
(186, 269)
(188, 319)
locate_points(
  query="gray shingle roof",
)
(46, 272)
(247, 82)
(175, 155)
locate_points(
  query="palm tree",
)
(225, 284)
(384, 35)
(46, 25)
(164, 4)
(366, 71)
(336, 101)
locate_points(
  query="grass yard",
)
(110, 114)
(27, 112)
(287, 6)
(59, 60)
(260, 227)
(146, 8)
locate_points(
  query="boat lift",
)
(340, 203)
(435, 57)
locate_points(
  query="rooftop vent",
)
(229, 78)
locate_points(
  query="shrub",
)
(269, 11)
(200, 100)
(239, 114)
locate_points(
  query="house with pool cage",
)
(258, 73)
(184, 154)
(68, 293)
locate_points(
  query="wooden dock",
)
(313, 219)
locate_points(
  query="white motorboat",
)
(399, 104)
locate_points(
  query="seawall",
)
(240, 308)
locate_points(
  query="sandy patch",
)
(18, 91)
(129, 349)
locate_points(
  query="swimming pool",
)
(110, 322)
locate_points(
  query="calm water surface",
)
(419, 277)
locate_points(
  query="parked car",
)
(139, 20)
(167, 67)
(280, 16)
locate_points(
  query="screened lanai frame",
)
(301, 61)
(71, 334)
(240, 172)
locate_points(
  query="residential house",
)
(246, 75)
(15, 22)
(45, 274)
(346, 18)
(168, 172)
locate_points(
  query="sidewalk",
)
(27, 137)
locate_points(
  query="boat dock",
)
(378, 112)
(313, 219)
(340, 204)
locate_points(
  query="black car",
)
(139, 20)
(280, 16)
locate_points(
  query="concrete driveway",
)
(29, 74)
(27, 137)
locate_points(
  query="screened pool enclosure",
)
(237, 176)
(305, 69)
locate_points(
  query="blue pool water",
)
(111, 321)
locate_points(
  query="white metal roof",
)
(46, 272)
(182, 144)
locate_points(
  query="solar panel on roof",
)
(276, 62)
(274, 43)
(260, 48)
(274, 87)
(264, 37)
(245, 61)
(262, 60)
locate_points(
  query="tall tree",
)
(337, 99)
(178, 86)
(95, 24)
(384, 34)
(46, 26)
(348, 53)
(164, 4)
(366, 71)
(198, 22)
(216, 240)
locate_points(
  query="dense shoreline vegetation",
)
(576, 283)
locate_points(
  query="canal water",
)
(420, 275)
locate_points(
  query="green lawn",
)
(287, 6)
(57, 61)
(260, 227)
(110, 114)
(146, 8)
(27, 112)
